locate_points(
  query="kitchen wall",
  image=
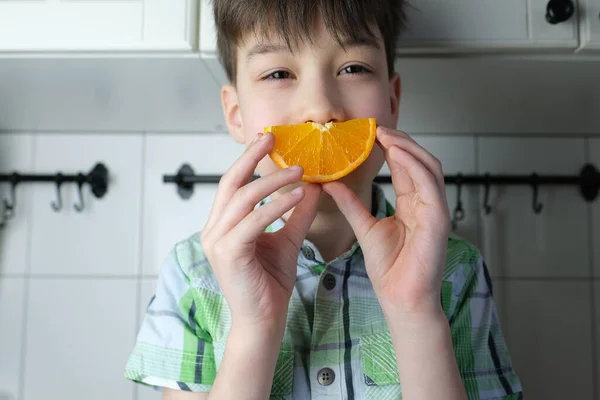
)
(73, 286)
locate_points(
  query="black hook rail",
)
(97, 179)
(588, 182)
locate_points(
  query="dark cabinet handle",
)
(559, 11)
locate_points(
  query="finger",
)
(239, 174)
(246, 198)
(255, 223)
(389, 137)
(352, 207)
(303, 216)
(422, 179)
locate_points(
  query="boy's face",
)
(318, 82)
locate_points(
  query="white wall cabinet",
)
(97, 25)
(590, 25)
(473, 25)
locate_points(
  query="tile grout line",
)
(546, 278)
(590, 231)
(138, 300)
(27, 277)
(479, 199)
(142, 278)
(154, 277)
(481, 219)
(78, 276)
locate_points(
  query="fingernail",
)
(295, 168)
(298, 191)
(258, 136)
(380, 128)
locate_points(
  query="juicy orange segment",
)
(326, 152)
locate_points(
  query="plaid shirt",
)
(336, 343)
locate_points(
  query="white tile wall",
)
(516, 241)
(548, 330)
(12, 310)
(596, 330)
(104, 238)
(82, 281)
(15, 156)
(594, 158)
(78, 337)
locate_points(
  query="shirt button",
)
(308, 252)
(325, 376)
(329, 281)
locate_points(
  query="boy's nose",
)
(322, 108)
(324, 115)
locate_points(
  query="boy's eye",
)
(354, 69)
(277, 75)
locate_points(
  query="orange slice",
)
(326, 152)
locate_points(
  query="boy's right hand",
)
(257, 270)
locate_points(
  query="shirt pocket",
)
(380, 370)
(283, 378)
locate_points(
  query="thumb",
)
(303, 215)
(354, 210)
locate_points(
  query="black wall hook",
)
(9, 205)
(80, 181)
(3, 220)
(486, 195)
(58, 205)
(459, 213)
(536, 205)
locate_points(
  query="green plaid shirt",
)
(336, 343)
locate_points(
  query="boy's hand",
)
(256, 270)
(404, 254)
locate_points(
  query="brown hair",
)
(293, 21)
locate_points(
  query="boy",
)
(321, 291)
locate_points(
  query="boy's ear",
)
(231, 111)
(395, 95)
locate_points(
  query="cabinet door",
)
(468, 25)
(97, 25)
(208, 42)
(208, 34)
(590, 25)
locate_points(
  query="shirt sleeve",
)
(481, 352)
(171, 350)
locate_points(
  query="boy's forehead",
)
(270, 41)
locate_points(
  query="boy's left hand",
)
(405, 254)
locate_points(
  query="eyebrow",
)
(362, 42)
(265, 48)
